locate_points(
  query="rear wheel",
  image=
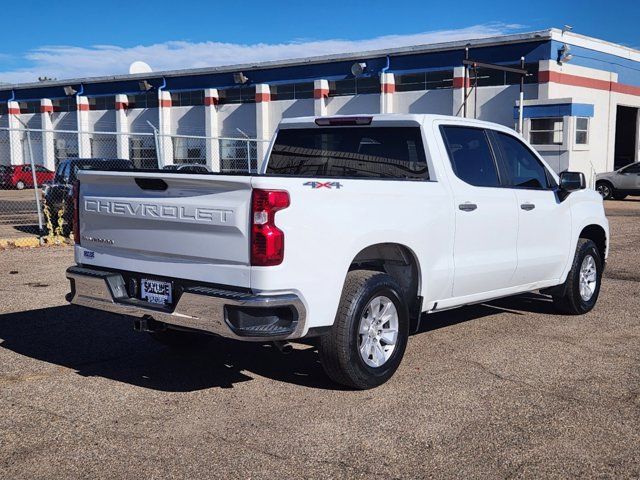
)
(20, 185)
(582, 286)
(369, 336)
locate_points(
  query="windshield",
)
(349, 152)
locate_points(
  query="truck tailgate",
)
(176, 225)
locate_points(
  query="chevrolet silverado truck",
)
(353, 230)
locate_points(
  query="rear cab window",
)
(349, 152)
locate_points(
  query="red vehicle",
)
(21, 176)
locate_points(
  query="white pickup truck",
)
(354, 228)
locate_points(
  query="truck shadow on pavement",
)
(101, 344)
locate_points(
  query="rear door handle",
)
(467, 207)
(527, 206)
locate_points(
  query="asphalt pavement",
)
(509, 389)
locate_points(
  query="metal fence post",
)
(35, 181)
(159, 154)
(248, 156)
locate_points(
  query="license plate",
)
(155, 291)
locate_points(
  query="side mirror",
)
(572, 181)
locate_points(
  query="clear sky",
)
(75, 39)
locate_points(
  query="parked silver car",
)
(617, 185)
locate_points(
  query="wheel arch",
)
(598, 235)
(398, 261)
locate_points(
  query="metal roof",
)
(247, 67)
(534, 46)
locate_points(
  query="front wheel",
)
(20, 185)
(582, 286)
(605, 189)
(369, 336)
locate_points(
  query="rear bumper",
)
(227, 313)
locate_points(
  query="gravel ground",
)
(507, 389)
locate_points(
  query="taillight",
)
(76, 212)
(267, 240)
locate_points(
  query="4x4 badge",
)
(329, 185)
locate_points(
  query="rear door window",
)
(471, 155)
(350, 152)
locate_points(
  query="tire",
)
(575, 301)
(605, 189)
(20, 185)
(180, 340)
(340, 349)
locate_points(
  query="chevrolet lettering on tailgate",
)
(161, 211)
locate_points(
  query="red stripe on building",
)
(628, 89)
(388, 88)
(165, 103)
(585, 82)
(458, 82)
(263, 97)
(46, 108)
(13, 111)
(210, 101)
(573, 80)
(319, 93)
(83, 107)
(121, 105)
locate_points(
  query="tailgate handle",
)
(152, 184)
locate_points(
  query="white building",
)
(580, 109)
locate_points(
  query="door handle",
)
(527, 206)
(467, 207)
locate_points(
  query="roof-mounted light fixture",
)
(240, 78)
(564, 54)
(358, 68)
(144, 86)
(69, 91)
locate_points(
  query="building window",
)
(108, 102)
(142, 152)
(354, 86)
(29, 107)
(488, 77)
(582, 131)
(66, 104)
(367, 85)
(546, 131)
(238, 155)
(338, 88)
(187, 99)
(237, 95)
(291, 91)
(143, 100)
(64, 148)
(433, 80)
(189, 150)
(514, 78)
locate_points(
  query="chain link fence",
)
(38, 168)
